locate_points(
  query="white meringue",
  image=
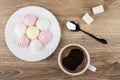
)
(35, 45)
(43, 23)
(20, 29)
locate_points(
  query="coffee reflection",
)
(73, 60)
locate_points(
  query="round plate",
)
(26, 53)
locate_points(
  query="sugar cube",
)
(71, 26)
(87, 18)
(98, 9)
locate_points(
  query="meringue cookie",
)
(32, 32)
(35, 45)
(29, 20)
(43, 23)
(45, 36)
(20, 29)
(23, 41)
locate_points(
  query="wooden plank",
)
(105, 57)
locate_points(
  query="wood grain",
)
(105, 57)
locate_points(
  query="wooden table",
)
(105, 57)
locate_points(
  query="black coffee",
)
(73, 59)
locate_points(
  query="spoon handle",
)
(96, 37)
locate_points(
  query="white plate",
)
(25, 53)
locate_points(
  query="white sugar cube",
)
(71, 26)
(98, 9)
(87, 18)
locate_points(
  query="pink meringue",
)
(29, 19)
(45, 36)
(23, 41)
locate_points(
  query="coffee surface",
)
(73, 59)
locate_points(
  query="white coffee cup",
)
(88, 65)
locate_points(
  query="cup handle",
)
(92, 68)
